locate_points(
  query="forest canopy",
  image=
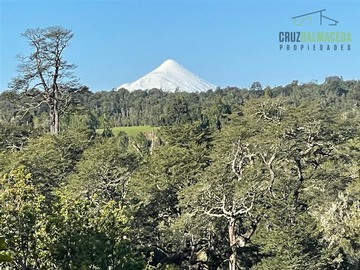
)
(233, 179)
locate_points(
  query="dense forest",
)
(232, 178)
(267, 177)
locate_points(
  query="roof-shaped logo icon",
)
(316, 15)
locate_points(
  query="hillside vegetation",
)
(231, 179)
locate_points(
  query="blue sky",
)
(228, 43)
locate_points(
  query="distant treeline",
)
(158, 108)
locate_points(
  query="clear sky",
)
(228, 43)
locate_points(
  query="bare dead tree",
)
(237, 207)
(44, 75)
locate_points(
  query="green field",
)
(130, 131)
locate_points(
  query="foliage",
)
(105, 169)
(91, 234)
(225, 179)
(4, 257)
(21, 216)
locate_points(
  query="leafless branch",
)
(240, 158)
(245, 204)
(31, 107)
(269, 166)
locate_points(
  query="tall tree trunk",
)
(54, 112)
(54, 120)
(56, 117)
(232, 243)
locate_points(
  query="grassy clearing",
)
(130, 131)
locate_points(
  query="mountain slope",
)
(170, 76)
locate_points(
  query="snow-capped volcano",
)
(170, 76)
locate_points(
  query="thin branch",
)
(245, 209)
(269, 166)
(32, 107)
(239, 159)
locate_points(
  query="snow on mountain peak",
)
(170, 76)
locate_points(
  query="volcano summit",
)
(170, 76)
